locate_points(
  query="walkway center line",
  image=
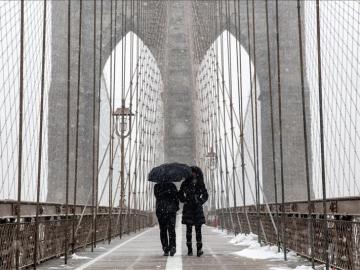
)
(175, 263)
(84, 266)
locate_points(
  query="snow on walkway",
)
(251, 249)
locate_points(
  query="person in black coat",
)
(167, 204)
(193, 194)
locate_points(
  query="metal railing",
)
(54, 230)
(343, 228)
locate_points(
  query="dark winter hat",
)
(198, 172)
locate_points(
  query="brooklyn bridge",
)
(262, 95)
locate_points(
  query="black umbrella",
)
(169, 172)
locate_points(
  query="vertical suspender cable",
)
(219, 123)
(111, 132)
(43, 62)
(251, 76)
(141, 140)
(122, 139)
(139, 130)
(213, 109)
(93, 134)
(224, 115)
(21, 108)
(135, 197)
(257, 180)
(73, 241)
(114, 149)
(146, 160)
(68, 134)
(143, 124)
(212, 179)
(122, 104)
(219, 128)
(233, 111)
(272, 123)
(229, 53)
(213, 115)
(323, 176)
(224, 110)
(139, 115)
(307, 169)
(98, 125)
(209, 86)
(130, 108)
(280, 132)
(240, 95)
(241, 116)
(113, 155)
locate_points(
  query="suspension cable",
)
(122, 139)
(219, 128)
(307, 168)
(256, 156)
(93, 132)
(98, 122)
(130, 107)
(272, 123)
(20, 149)
(322, 148)
(135, 197)
(43, 62)
(68, 134)
(241, 114)
(111, 127)
(77, 127)
(253, 116)
(283, 214)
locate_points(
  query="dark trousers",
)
(167, 230)
(189, 233)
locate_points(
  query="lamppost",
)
(122, 130)
(212, 158)
(212, 163)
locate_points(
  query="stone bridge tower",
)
(176, 63)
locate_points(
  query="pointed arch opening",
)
(227, 118)
(131, 77)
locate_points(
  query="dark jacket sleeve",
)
(175, 194)
(157, 191)
(204, 196)
(181, 194)
(172, 195)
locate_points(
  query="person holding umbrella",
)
(167, 202)
(193, 194)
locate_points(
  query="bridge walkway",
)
(142, 251)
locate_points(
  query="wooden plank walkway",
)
(142, 251)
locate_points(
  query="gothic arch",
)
(294, 165)
(57, 94)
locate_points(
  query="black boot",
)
(172, 251)
(199, 249)
(166, 251)
(190, 250)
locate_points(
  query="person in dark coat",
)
(167, 204)
(193, 194)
